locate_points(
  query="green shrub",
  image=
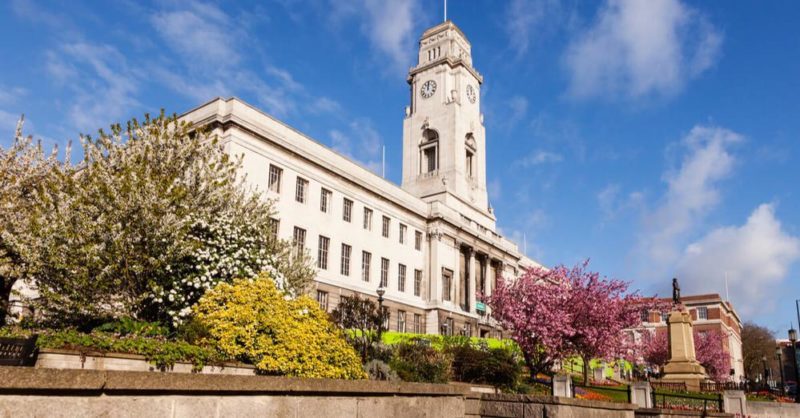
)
(498, 367)
(380, 370)
(161, 352)
(130, 326)
(251, 320)
(417, 363)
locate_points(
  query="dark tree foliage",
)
(757, 343)
(360, 318)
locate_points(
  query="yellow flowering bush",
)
(250, 319)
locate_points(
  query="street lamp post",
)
(766, 372)
(381, 291)
(793, 341)
(779, 354)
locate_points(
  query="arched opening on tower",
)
(429, 151)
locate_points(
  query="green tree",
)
(360, 318)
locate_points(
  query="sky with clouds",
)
(659, 138)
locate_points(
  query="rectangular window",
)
(664, 316)
(274, 224)
(401, 277)
(366, 259)
(299, 241)
(346, 250)
(470, 163)
(645, 316)
(401, 321)
(417, 240)
(322, 252)
(429, 159)
(385, 316)
(322, 299)
(301, 191)
(447, 327)
(368, 219)
(385, 228)
(402, 234)
(417, 324)
(702, 312)
(347, 210)
(325, 200)
(275, 175)
(447, 284)
(417, 282)
(384, 272)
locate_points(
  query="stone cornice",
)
(451, 62)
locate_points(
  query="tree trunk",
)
(5, 295)
(585, 371)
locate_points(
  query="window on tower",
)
(469, 162)
(429, 150)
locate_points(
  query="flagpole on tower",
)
(445, 10)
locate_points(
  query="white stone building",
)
(430, 242)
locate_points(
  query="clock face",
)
(428, 89)
(471, 93)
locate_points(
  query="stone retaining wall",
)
(773, 410)
(32, 392)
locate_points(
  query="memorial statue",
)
(676, 292)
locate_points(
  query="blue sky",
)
(657, 138)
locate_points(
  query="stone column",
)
(682, 365)
(471, 289)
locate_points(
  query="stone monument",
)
(682, 365)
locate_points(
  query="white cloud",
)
(692, 191)
(755, 257)
(539, 157)
(525, 19)
(388, 25)
(363, 144)
(325, 105)
(103, 85)
(640, 48)
(201, 32)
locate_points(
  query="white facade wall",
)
(449, 207)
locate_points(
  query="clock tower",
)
(444, 140)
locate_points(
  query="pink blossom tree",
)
(532, 308)
(655, 348)
(600, 309)
(560, 313)
(711, 354)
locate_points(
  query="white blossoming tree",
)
(153, 215)
(25, 171)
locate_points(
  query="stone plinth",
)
(682, 365)
(562, 386)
